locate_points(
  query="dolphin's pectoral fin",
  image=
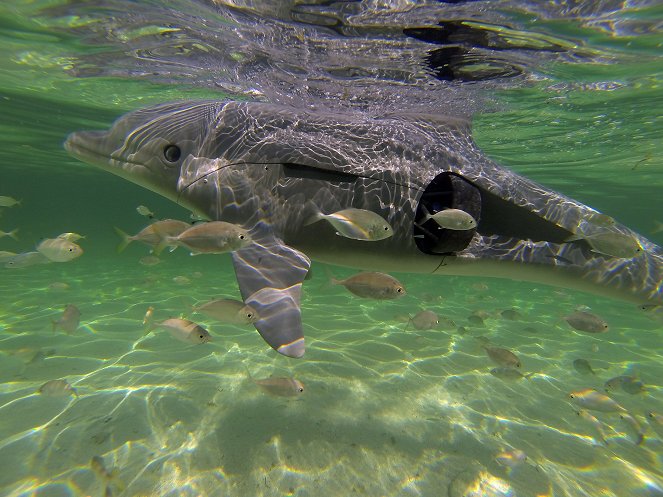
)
(270, 276)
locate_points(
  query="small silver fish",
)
(511, 314)
(58, 286)
(502, 357)
(635, 426)
(656, 422)
(582, 366)
(184, 330)
(59, 249)
(653, 311)
(148, 319)
(70, 237)
(475, 320)
(587, 322)
(40, 355)
(598, 426)
(280, 386)
(511, 458)
(373, 285)
(629, 384)
(57, 388)
(446, 324)
(70, 319)
(153, 234)
(656, 418)
(589, 398)
(599, 219)
(481, 314)
(228, 311)
(26, 259)
(197, 217)
(215, 237)
(611, 243)
(6, 255)
(451, 219)
(10, 234)
(507, 373)
(357, 224)
(150, 260)
(8, 201)
(182, 280)
(424, 320)
(144, 211)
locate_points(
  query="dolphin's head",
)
(149, 146)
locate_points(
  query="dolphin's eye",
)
(172, 153)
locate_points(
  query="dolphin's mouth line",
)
(242, 163)
(76, 147)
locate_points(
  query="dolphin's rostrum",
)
(268, 168)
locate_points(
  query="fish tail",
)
(427, 214)
(314, 218)
(126, 239)
(12, 234)
(331, 281)
(407, 325)
(162, 245)
(311, 213)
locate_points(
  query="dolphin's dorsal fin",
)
(270, 276)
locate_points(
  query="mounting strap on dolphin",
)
(268, 168)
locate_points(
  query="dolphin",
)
(269, 168)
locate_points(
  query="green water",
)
(388, 410)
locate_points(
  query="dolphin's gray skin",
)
(268, 168)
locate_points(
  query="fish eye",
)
(572, 396)
(399, 290)
(386, 228)
(301, 390)
(172, 153)
(249, 315)
(241, 237)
